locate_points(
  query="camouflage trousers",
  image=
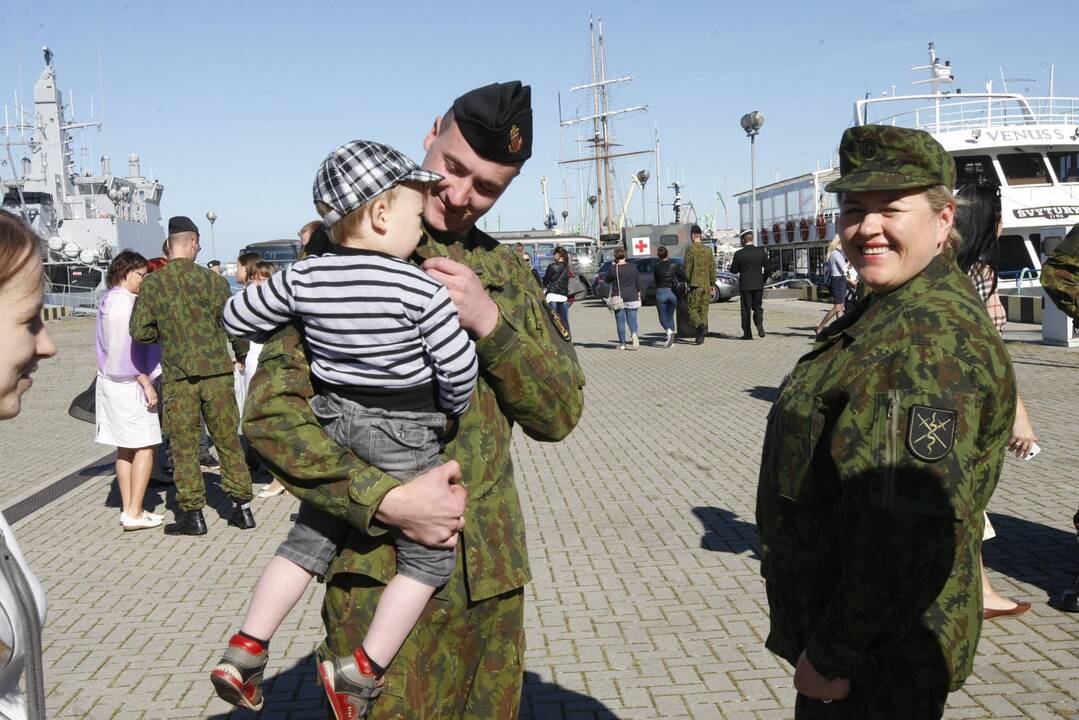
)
(462, 661)
(182, 403)
(698, 300)
(884, 699)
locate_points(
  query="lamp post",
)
(642, 178)
(752, 123)
(212, 217)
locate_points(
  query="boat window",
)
(1012, 255)
(668, 240)
(1024, 168)
(975, 168)
(1066, 165)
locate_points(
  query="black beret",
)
(182, 223)
(496, 121)
(213, 263)
(695, 230)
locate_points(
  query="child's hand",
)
(477, 311)
(429, 510)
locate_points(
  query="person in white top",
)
(24, 342)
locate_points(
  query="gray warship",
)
(84, 218)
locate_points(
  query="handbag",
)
(615, 302)
(84, 406)
(679, 286)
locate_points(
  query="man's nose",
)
(456, 194)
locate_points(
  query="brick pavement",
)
(646, 602)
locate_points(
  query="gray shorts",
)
(401, 444)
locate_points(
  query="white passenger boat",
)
(1028, 146)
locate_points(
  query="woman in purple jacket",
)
(126, 399)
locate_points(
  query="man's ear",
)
(432, 133)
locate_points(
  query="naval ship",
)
(1026, 146)
(83, 219)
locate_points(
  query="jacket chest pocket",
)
(795, 426)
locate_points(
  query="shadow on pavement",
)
(291, 693)
(763, 392)
(1032, 553)
(548, 701)
(724, 532)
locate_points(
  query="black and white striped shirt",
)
(372, 321)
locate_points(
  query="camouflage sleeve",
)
(224, 292)
(143, 324)
(711, 267)
(918, 450)
(533, 370)
(1060, 278)
(283, 429)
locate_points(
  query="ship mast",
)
(601, 139)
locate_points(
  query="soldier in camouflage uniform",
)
(464, 659)
(882, 451)
(700, 266)
(1060, 278)
(180, 307)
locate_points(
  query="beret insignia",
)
(515, 140)
(930, 432)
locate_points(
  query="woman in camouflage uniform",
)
(881, 453)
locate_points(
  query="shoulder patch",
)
(930, 432)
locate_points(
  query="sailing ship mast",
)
(601, 140)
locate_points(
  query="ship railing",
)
(80, 300)
(948, 113)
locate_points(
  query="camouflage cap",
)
(882, 157)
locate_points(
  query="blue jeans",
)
(562, 308)
(623, 316)
(667, 304)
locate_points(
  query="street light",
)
(642, 178)
(752, 123)
(212, 217)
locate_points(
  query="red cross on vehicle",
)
(641, 246)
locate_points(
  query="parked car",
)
(726, 285)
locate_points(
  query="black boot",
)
(241, 516)
(188, 522)
(747, 335)
(760, 331)
(701, 331)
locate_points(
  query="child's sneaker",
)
(351, 684)
(238, 677)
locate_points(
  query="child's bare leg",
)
(281, 586)
(398, 610)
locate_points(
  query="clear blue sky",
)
(234, 104)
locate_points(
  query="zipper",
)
(890, 448)
(31, 627)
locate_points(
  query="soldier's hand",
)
(812, 684)
(477, 311)
(429, 510)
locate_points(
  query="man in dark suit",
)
(751, 264)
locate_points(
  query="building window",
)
(975, 168)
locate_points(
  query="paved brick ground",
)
(646, 602)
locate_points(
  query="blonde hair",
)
(833, 245)
(940, 197)
(262, 269)
(349, 225)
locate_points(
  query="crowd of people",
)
(395, 358)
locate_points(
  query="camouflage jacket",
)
(700, 265)
(180, 307)
(1060, 275)
(529, 375)
(881, 454)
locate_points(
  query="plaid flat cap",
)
(357, 171)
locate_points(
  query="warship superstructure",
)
(83, 218)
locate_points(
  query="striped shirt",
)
(372, 321)
(982, 277)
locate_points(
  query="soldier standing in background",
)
(464, 659)
(751, 265)
(1060, 278)
(180, 307)
(700, 265)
